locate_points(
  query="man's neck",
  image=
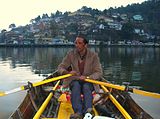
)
(83, 52)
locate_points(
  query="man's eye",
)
(77, 43)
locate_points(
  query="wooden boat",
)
(114, 103)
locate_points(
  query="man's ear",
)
(86, 45)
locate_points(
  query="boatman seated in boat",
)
(85, 64)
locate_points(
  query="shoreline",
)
(35, 45)
(71, 45)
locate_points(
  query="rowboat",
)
(50, 101)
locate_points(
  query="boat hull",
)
(36, 96)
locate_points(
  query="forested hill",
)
(138, 23)
(150, 10)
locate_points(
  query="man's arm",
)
(63, 66)
(97, 69)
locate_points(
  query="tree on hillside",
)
(58, 13)
(37, 19)
(12, 26)
(127, 31)
(54, 28)
(66, 14)
(3, 36)
(71, 31)
(45, 16)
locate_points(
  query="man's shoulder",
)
(92, 53)
(71, 52)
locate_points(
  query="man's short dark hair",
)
(83, 37)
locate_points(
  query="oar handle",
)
(51, 80)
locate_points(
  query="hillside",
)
(138, 23)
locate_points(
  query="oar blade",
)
(2, 94)
(12, 91)
(146, 93)
(25, 87)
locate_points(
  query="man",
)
(84, 64)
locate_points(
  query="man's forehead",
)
(79, 39)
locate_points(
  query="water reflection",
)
(41, 60)
(137, 65)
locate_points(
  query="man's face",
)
(80, 45)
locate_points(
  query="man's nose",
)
(76, 44)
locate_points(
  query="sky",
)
(20, 12)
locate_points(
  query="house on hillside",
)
(115, 15)
(137, 18)
(77, 13)
(115, 25)
(101, 26)
(105, 19)
(57, 40)
(139, 31)
(124, 16)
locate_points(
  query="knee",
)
(75, 84)
(87, 87)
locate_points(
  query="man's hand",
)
(82, 77)
(73, 73)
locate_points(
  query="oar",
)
(25, 87)
(124, 88)
(45, 103)
(117, 104)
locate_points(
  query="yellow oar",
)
(124, 88)
(117, 104)
(45, 103)
(25, 87)
(146, 93)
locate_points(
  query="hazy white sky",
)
(21, 12)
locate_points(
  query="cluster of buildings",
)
(60, 29)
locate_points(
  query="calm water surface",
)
(139, 66)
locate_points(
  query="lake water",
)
(138, 65)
